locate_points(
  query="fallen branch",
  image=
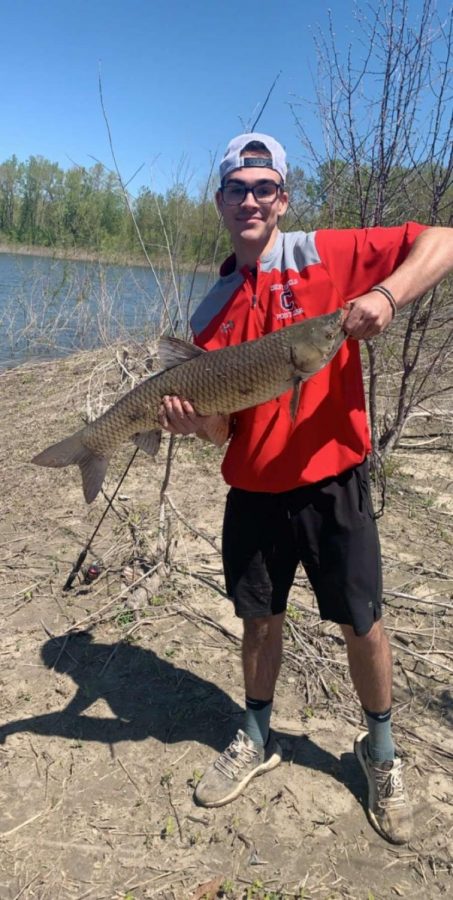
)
(198, 531)
(424, 658)
(108, 605)
(44, 812)
(194, 617)
(416, 599)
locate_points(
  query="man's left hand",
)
(368, 316)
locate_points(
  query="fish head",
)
(317, 342)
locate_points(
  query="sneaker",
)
(225, 778)
(389, 810)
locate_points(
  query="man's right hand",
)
(179, 417)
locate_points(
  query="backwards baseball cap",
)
(233, 159)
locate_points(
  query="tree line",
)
(84, 208)
(81, 208)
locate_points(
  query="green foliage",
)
(43, 205)
(169, 828)
(258, 891)
(85, 208)
(254, 889)
(11, 174)
(125, 617)
(293, 613)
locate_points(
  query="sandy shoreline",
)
(81, 255)
(76, 254)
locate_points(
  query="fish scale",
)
(221, 381)
(238, 385)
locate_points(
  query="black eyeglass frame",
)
(250, 189)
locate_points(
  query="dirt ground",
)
(115, 698)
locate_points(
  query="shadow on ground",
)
(151, 697)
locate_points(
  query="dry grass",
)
(117, 694)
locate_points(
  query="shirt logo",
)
(287, 300)
(227, 326)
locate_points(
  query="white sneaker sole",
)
(270, 763)
(358, 750)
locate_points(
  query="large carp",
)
(219, 381)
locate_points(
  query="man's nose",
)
(249, 199)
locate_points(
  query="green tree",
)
(82, 211)
(11, 174)
(40, 211)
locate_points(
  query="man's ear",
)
(283, 204)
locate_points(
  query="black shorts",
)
(329, 527)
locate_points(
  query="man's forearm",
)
(428, 262)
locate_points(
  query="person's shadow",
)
(152, 697)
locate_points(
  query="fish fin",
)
(295, 397)
(149, 441)
(70, 452)
(93, 469)
(173, 351)
(64, 453)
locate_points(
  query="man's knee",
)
(369, 642)
(263, 629)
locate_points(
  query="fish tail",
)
(72, 451)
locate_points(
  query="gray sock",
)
(257, 718)
(380, 741)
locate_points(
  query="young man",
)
(299, 489)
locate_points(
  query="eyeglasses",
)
(235, 192)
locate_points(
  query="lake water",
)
(50, 307)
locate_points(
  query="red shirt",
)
(303, 275)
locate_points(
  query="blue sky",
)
(178, 76)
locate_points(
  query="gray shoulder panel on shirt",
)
(214, 301)
(294, 250)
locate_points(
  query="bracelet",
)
(389, 295)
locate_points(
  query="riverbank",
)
(115, 258)
(77, 254)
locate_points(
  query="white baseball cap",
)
(233, 160)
